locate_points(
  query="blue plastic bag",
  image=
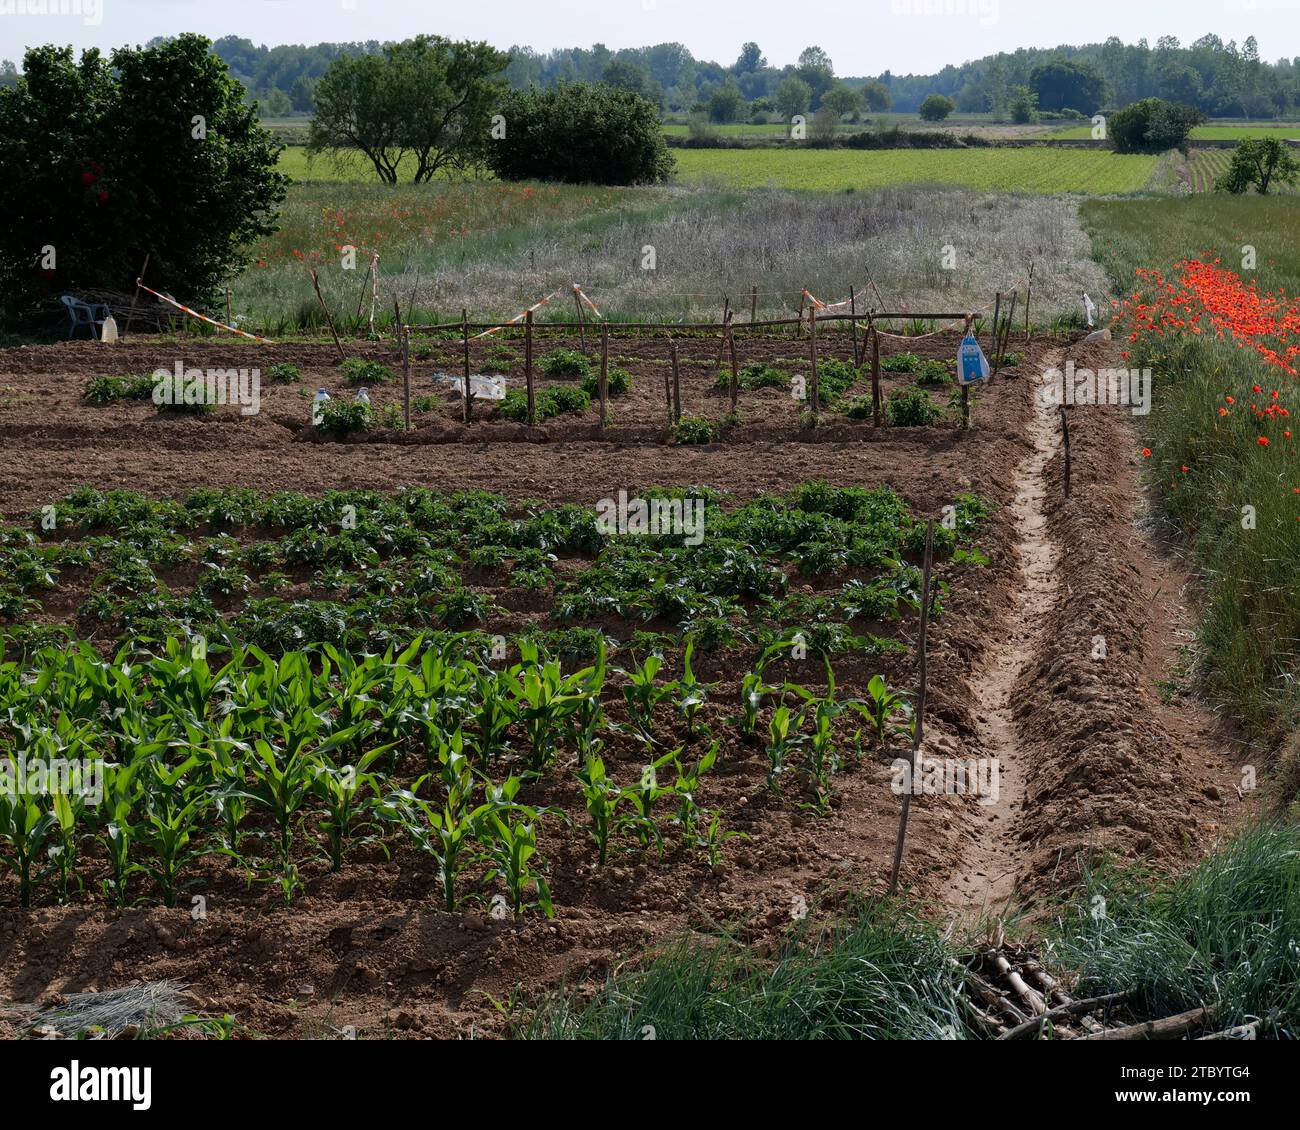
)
(972, 365)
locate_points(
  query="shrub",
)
(834, 379)
(1258, 163)
(695, 430)
(283, 373)
(561, 363)
(548, 403)
(1152, 126)
(104, 390)
(581, 133)
(911, 408)
(936, 107)
(360, 371)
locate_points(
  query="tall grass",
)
(883, 975)
(1225, 934)
(657, 254)
(1250, 632)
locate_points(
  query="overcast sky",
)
(861, 36)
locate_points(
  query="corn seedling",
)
(601, 796)
(687, 785)
(641, 799)
(881, 708)
(174, 814)
(509, 837)
(782, 740)
(349, 796)
(26, 830)
(642, 694)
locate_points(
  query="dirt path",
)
(986, 878)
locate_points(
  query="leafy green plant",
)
(283, 373)
(601, 797)
(359, 371)
(342, 417)
(882, 709)
(561, 363)
(695, 430)
(911, 408)
(900, 363)
(618, 381)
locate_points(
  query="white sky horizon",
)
(862, 37)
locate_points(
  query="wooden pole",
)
(603, 383)
(735, 369)
(753, 305)
(1000, 345)
(528, 369)
(918, 727)
(230, 314)
(997, 310)
(1065, 433)
(877, 408)
(799, 321)
(464, 333)
(722, 340)
(813, 400)
(668, 396)
(853, 324)
(138, 280)
(315, 282)
(1029, 290)
(582, 318)
(677, 387)
(965, 389)
(405, 338)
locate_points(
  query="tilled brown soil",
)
(368, 949)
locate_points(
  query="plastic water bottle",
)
(362, 397)
(318, 407)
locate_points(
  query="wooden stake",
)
(582, 319)
(853, 324)
(997, 310)
(1000, 347)
(1029, 290)
(138, 280)
(722, 341)
(753, 305)
(799, 323)
(668, 396)
(528, 369)
(230, 314)
(464, 332)
(735, 369)
(813, 400)
(677, 388)
(877, 408)
(404, 336)
(603, 383)
(315, 282)
(918, 728)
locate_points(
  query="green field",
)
(829, 170)
(1212, 132)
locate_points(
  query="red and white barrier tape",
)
(203, 317)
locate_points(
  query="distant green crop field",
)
(1211, 132)
(829, 170)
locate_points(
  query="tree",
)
(816, 70)
(623, 75)
(876, 97)
(751, 60)
(427, 97)
(1024, 105)
(840, 100)
(112, 171)
(1257, 163)
(793, 97)
(302, 94)
(936, 107)
(1152, 126)
(726, 103)
(580, 133)
(1066, 85)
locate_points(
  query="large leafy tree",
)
(582, 133)
(151, 151)
(1152, 126)
(1258, 163)
(1064, 84)
(427, 98)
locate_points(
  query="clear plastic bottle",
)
(363, 396)
(318, 407)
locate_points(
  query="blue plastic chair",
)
(88, 314)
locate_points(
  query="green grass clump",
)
(880, 975)
(360, 371)
(105, 390)
(1226, 934)
(752, 376)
